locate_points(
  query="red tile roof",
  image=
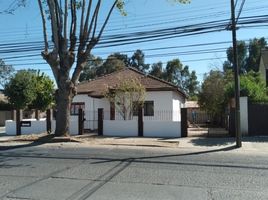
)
(98, 86)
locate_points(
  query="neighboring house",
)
(263, 68)
(195, 115)
(163, 100)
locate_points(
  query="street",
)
(73, 171)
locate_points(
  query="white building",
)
(162, 105)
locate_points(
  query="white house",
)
(163, 102)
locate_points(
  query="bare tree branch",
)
(87, 18)
(44, 25)
(54, 25)
(83, 38)
(107, 19)
(96, 19)
(93, 41)
(82, 20)
(73, 26)
(93, 19)
(65, 19)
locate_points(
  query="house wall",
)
(162, 105)
(178, 102)
(91, 109)
(244, 115)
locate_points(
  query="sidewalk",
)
(259, 144)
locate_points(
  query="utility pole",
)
(237, 82)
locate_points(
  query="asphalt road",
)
(72, 172)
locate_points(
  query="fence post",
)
(184, 124)
(48, 120)
(13, 115)
(100, 121)
(80, 121)
(37, 114)
(140, 121)
(112, 111)
(18, 121)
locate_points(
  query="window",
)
(148, 108)
(76, 106)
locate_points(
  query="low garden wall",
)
(128, 128)
(162, 129)
(33, 126)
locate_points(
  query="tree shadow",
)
(212, 141)
(37, 142)
(256, 139)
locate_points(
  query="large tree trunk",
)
(64, 98)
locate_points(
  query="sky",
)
(21, 33)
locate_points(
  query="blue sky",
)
(143, 15)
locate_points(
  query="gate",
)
(258, 119)
(90, 121)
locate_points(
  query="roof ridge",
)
(103, 76)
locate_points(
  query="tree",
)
(211, 97)
(31, 89)
(127, 96)
(44, 92)
(62, 54)
(157, 70)
(251, 85)
(254, 54)
(14, 6)
(248, 55)
(138, 61)
(241, 56)
(20, 90)
(192, 86)
(112, 64)
(90, 70)
(6, 72)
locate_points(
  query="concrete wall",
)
(39, 126)
(128, 128)
(165, 129)
(244, 115)
(178, 102)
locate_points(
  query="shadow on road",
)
(39, 141)
(210, 142)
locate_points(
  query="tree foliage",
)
(127, 96)
(6, 72)
(30, 89)
(44, 92)
(21, 89)
(177, 74)
(251, 85)
(248, 55)
(211, 97)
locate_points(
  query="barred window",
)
(76, 106)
